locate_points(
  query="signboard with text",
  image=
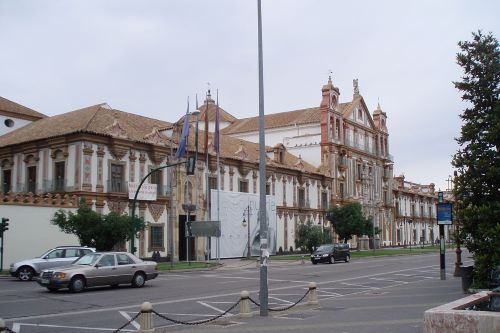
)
(147, 191)
(444, 213)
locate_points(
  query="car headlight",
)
(59, 275)
(312, 255)
(325, 255)
(11, 265)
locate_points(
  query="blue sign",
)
(444, 213)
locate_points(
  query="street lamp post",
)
(410, 228)
(458, 251)
(247, 224)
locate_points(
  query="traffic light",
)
(4, 226)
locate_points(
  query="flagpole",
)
(264, 254)
(217, 133)
(209, 208)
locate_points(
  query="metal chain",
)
(197, 322)
(284, 308)
(128, 323)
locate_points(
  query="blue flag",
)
(184, 135)
(217, 131)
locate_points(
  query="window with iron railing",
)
(243, 186)
(156, 242)
(117, 183)
(31, 179)
(302, 198)
(6, 181)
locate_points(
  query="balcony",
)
(27, 187)
(6, 188)
(117, 186)
(57, 185)
(163, 190)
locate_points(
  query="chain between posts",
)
(284, 308)
(199, 321)
(128, 323)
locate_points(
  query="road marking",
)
(281, 300)
(328, 292)
(359, 285)
(379, 279)
(17, 327)
(132, 322)
(212, 307)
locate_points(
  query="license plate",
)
(45, 281)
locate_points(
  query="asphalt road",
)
(385, 294)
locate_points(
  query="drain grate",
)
(298, 316)
(223, 323)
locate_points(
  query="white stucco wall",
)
(31, 233)
(18, 123)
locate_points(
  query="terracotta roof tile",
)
(98, 119)
(22, 111)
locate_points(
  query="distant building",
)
(317, 157)
(14, 116)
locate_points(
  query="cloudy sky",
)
(146, 57)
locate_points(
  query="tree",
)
(100, 231)
(309, 236)
(477, 181)
(348, 221)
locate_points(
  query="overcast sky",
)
(146, 57)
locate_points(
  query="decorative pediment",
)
(155, 137)
(118, 151)
(300, 164)
(156, 210)
(117, 206)
(241, 152)
(116, 129)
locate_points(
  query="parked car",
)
(331, 253)
(99, 269)
(25, 270)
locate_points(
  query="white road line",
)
(17, 329)
(328, 292)
(379, 279)
(211, 307)
(257, 278)
(281, 300)
(133, 322)
(359, 285)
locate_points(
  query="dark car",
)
(330, 253)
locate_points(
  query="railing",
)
(57, 185)
(28, 187)
(117, 186)
(6, 188)
(163, 190)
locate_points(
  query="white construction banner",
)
(234, 208)
(147, 191)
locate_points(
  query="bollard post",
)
(258, 263)
(312, 298)
(245, 305)
(146, 318)
(302, 260)
(2, 325)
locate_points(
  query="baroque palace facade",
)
(331, 154)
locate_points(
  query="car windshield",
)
(325, 248)
(88, 259)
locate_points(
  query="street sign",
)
(444, 213)
(205, 228)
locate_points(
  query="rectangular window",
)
(212, 185)
(359, 171)
(302, 198)
(59, 168)
(31, 180)
(157, 178)
(243, 186)
(156, 238)
(341, 190)
(324, 200)
(268, 189)
(6, 181)
(117, 178)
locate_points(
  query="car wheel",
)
(332, 260)
(25, 273)
(347, 258)
(77, 284)
(138, 280)
(314, 262)
(52, 289)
